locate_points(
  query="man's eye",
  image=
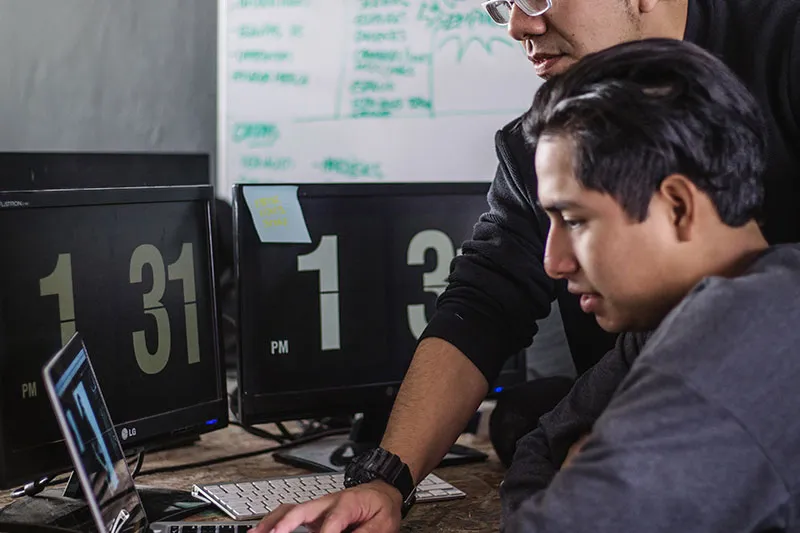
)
(573, 223)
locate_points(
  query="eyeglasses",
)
(500, 10)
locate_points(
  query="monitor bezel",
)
(264, 408)
(151, 433)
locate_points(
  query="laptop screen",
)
(94, 446)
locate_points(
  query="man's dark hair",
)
(640, 111)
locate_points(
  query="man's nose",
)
(559, 261)
(522, 27)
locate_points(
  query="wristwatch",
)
(382, 464)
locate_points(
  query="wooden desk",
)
(479, 512)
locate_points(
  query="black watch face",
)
(355, 473)
(358, 476)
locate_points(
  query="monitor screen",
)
(335, 293)
(131, 270)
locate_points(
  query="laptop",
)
(96, 452)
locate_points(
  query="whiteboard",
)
(364, 90)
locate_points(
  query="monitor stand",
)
(331, 454)
(67, 507)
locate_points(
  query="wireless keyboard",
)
(250, 500)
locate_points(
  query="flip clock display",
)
(347, 308)
(133, 278)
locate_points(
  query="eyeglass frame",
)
(510, 4)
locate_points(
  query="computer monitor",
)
(23, 171)
(131, 269)
(335, 291)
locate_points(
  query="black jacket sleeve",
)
(497, 287)
(794, 79)
(541, 452)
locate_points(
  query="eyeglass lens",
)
(501, 11)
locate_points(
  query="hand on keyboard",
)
(375, 505)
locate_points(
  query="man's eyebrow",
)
(558, 206)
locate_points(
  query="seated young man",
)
(649, 158)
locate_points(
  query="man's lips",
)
(589, 302)
(544, 62)
(541, 57)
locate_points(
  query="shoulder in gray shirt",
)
(703, 434)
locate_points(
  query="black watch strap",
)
(382, 464)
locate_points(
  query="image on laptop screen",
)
(92, 441)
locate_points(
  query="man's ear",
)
(645, 6)
(680, 196)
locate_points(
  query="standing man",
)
(498, 287)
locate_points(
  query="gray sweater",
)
(695, 430)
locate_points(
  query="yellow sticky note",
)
(276, 213)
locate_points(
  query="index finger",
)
(305, 513)
(266, 524)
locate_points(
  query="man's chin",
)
(610, 324)
(619, 324)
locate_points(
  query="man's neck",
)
(735, 251)
(728, 253)
(666, 20)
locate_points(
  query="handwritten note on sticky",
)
(277, 214)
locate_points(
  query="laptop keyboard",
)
(210, 528)
(202, 527)
(249, 500)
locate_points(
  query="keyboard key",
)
(236, 504)
(208, 529)
(227, 529)
(188, 529)
(438, 486)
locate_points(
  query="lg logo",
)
(127, 433)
